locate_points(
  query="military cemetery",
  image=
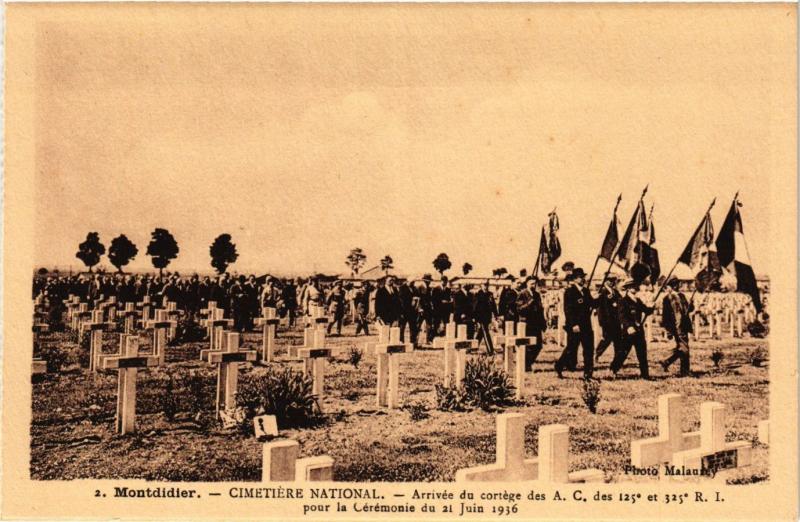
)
(248, 378)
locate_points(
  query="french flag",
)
(733, 255)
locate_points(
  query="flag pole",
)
(597, 259)
(616, 251)
(538, 257)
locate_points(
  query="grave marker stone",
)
(714, 453)
(280, 463)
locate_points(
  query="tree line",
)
(356, 260)
(162, 249)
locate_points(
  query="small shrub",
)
(757, 356)
(354, 356)
(418, 411)
(281, 392)
(716, 357)
(591, 394)
(485, 385)
(449, 398)
(55, 358)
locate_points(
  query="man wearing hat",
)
(632, 312)
(608, 315)
(578, 305)
(425, 300)
(485, 309)
(507, 305)
(675, 319)
(335, 303)
(530, 310)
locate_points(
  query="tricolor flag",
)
(629, 249)
(612, 236)
(733, 255)
(544, 260)
(553, 244)
(549, 245)
(647, 250)
(700, 254)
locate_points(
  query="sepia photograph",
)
(399, 247)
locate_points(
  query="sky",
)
(306, 131)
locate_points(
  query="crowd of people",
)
(421, 305)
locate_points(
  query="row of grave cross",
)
(705, 450)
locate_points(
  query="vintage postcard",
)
(403, 261)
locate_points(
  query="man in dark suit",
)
(531, 311)
(507, 307)
(426, 314)
(484, 310)
(462, 309)
(387, 303)
(632, 312)
(442, 305)
(409, 312)
(578, 305)
(675, 319)
(608, 316)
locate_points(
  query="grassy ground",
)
(73, 416)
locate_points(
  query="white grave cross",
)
(388, 366)
(314, 361)
(552, 464)
(456, 349)
(714, 454)
(160, 326)
(269, 322)
(515, 345)
(127, 367)
(228, 373)
(670, 440)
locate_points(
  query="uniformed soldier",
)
(578, 305)
(632, 312)
(676, 320)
